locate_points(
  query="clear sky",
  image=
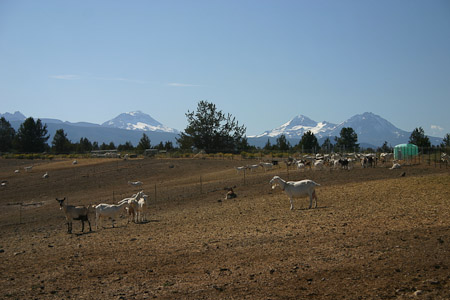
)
(262, 61)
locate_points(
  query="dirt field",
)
(374, 235)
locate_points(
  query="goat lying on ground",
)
(135, 183)
(230, 194)
(74, 213)
(395, 166)
(297, 189)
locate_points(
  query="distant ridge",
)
(372, 130)
(105, 133)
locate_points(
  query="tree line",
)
(208, 129)
(32, 137)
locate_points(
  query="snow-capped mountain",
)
(137, 120)
(372, 131)
(112, 132)
(297, 126)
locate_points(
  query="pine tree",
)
(211, 130)
(7, 134)
(419, 138)
(308, 143)
(347, 140)
(60, 143)
(32, 136)
(144, 143)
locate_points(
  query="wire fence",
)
(210, 183)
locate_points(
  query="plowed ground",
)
(374, 235)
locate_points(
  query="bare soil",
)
(375, 234)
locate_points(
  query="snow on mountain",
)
(371, 129)
(297, 126)
(137, 120)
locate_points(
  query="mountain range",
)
(372, 130)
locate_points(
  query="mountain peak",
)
(297, 126)
(137, 120)
(16, 116)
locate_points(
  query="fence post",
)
(20, 213)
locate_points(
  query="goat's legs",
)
(315, 198)
(310, 200)
(292, 204)
(69, 227)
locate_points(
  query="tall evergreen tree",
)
(268, 146)
(327, 146)
(282, 143)
(60, 143)
(32, 136)
(347, 140)
(84, 146)
(211, 130)
(385, 148)
(144, 143)
(419, 138)
(446, 141)
(7, 134)
(308, 143)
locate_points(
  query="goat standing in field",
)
(142, 205)
(297, 189)
(74, 213)
(133, 206)
(109, 211)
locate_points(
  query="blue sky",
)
(262, 61)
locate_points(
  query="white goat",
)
(75, 162)
(108, 211)
(135, 183)
(396, 166)
(297, 189)
(240, 169)
(28, 169)
(132, 209)
(141, 213)
(318, 165)
(252, 167)
(74, 213)
(45, 175)
(266, 166)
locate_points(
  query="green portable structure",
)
(405, 151)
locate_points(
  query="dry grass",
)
(375, 235)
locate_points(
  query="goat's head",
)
(275, 181)
(61, 202)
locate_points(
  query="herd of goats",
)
(135, 207)
(335, 161)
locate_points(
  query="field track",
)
(374, 235)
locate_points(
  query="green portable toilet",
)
(405, 151)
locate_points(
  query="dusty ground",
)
(375, 235)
